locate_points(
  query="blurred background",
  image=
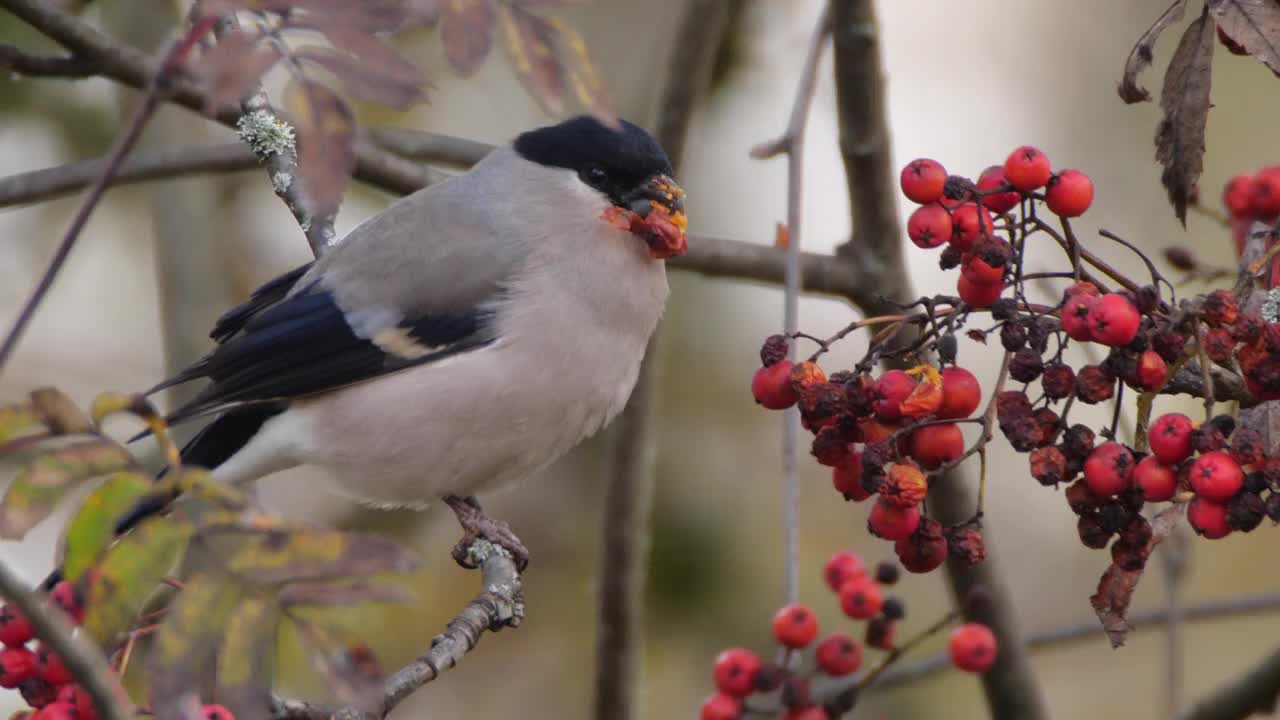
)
(966, 83)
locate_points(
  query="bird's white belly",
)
(463, 426)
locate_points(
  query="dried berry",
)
(1026, 365)
(925, 549)
(1077, 442)
(950, 258)
(774, 350)
(1004, 309)
(1169, 345)
(1248, 327)
(1208, 438)
(1091, 532)
(1219, 345)
(1128, 556)
(1048, 426)
(1012, 404)
(894, 608)
(887, 573)
(966, 543)
(880, 633)
(1248, 447)
(1022, 432)
(1048, 466)
(1221, 308)
(1058, 381)
(1081, 499)
(1013, 336)
(1245, 511)
(905, 485)
(1094, 385)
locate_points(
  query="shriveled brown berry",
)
(806, 374)
(1248, 447)
(1219, 344)
(1094, 385)
(774, 350)
(1077, 442)
(1091, 532)
(1169, 344)
(1011, 404)
(950, 257)
(1148, 299)
(831, 446)
(1273, 507)
(1207, 438)
(905, 485)
(966, 544)
(880, 633)
(1022, 432)
(1245, 511)
(1048, 426)
(1138, 531)
(1220, 308)
(887, 573)
(1128, 556)
(820, 403)
(1058, 381)
(1180, 257)
(1048, 466)
(1013, 336)
(924, 549)
(1026, 365)
(1114, 515)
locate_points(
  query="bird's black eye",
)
(596, 176)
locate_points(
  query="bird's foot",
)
(475, 525)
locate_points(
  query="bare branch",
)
(1256, 690)
(49, 183)
(23, 63)
(83, 659)
(1088, 630)
(430, 147)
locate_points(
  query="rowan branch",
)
(17, 61)
(85, 661)
(1255, 691)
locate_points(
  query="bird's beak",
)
(658, 207)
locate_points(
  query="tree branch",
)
(1088, 630)
(82, 658)
(22, 63)
(1257, 690)
(624, 547)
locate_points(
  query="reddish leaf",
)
(326, 140)
(1184, 99)
(233, 68)
(1140, 55)
(530, 42)
(467, 31)
(362, 79)
(1116, 586)
(1254, 24)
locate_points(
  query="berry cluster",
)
(738, 672)
(39, 674)
(883, 436)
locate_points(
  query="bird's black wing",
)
(279, 346)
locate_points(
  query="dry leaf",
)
(245, 658)
(59, 413)
(583, 76)
(326, 143)
(1140, 55)
(183, 652)
(467, 32)
(233, 68)
(1254, 24)
(1184, 99)
(362, 79)
(1116, 586)
(530, 42)
(342, 594)
(348, 665)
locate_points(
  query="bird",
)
(458, 341)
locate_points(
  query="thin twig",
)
(82, 658)
(791, 143)
(123, 143)
(1256, 690)
(15, 60)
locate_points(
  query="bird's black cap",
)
(614, 161)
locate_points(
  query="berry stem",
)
(885, 663)
(1206, 380)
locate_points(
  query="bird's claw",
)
(476, 525)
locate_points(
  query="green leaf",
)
(93, 526)
(119, 586)
(36, 490)
(244, 660)
(346, 662)
(299, 554)
(183, 652)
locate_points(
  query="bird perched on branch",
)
(463, 338)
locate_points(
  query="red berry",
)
(795, 626)
(892, 522)
(50, 668)
(979, 296)
(847, 478)
(961, 394)
(17, 665)
(1070, 193)
(922, 552)
(1237, 196)
(1170, 438)
(1108, 469)
(972, 647)
(922, 180)
(860, 598)
(15, 629)
(57, 711)
(968, 223)
(216, 712)
(893, 387)
(1216, 476)
(991, 179)
(721, 707)
(66, 596)
(80, 699)
(843, 567)
(839, 655)
(979, 272)
(735, 672)
(1078, 302)
(1266, 193)
(1114, 320)
(1208, 519)
(1150, 372)
(1027, 168)
(936, 445)
(772, 388)
(1157, 481)
(929, 226)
